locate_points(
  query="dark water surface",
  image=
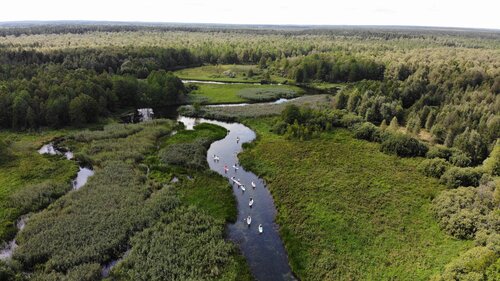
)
(264, 252)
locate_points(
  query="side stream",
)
(81, 178)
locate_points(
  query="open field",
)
(227, 73)
(348, 211)
(228, 93)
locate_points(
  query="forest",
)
(400, 125)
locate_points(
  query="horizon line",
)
(97, 22)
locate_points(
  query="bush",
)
(457, 176)
(403, 146)
(492, 163)
(472, 265)
(349, 120)
(460, 158)
(367, 131)
(439, 152)
(433, 167)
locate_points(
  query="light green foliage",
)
(348, 211)
(113, 204)
(30, 181)
(492, 163)
(433, 167)
(266, 94)
(233, 113)
(185, 244)
(477, 264)
(236, 93)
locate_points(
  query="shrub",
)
(367, 131)
(433, 167)
(472, 265)
(403, 145)
(456, 176)
(439, 152)
(460, 158)
(349, 120)
(492, 163)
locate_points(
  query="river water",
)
(81, 179)
(265, 254)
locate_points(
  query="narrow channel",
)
(265, 253)
(81, 179)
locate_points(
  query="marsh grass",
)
(347, 210)
(229, 93)
(30, 181)
(266, 94)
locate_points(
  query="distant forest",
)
(444, 81)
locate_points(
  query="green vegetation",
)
(121, 206)
(228, 73)
(232, 113)
(29, 181)
(236, 93)
(347, 211)
(266, 94)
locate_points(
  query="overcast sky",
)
(453, 13)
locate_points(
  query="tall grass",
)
(348, 211)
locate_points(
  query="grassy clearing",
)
(226, 73)
(348, 211)
(26, 168)
(228, 93)
(233, 113)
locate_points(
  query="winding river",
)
(265, 253)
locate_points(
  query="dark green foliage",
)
(471, 142)
(403, 145)
(439, 152)
(459, 158)
(456, 176)
(433, 167)
(83, 109)
(367, 131)
(162, 89)
(125, 90)
(185, 245)
(334, 69)
(266, 94)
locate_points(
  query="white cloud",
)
(478, 13)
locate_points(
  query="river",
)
(264, 252)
